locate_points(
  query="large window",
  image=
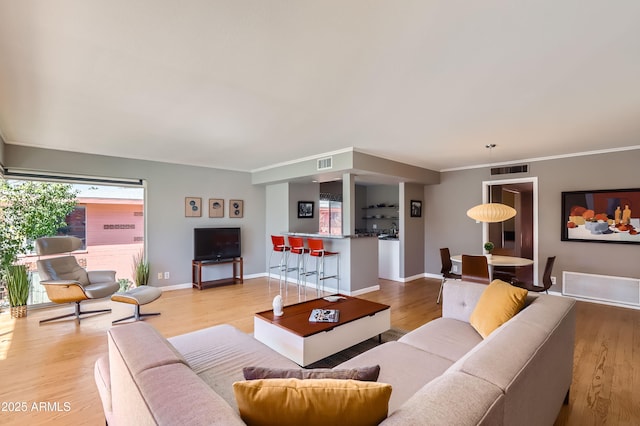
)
(109, 219)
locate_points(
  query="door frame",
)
(485, 226)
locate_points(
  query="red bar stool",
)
(296, 245)
(283, 250)
(316, 249)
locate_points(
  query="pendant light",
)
(491, 212)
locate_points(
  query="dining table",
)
(499, 260)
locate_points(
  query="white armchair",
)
(65, 281)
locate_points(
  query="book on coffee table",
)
(324, 315)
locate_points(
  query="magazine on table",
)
(325, 315)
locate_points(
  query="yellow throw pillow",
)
(499, 302)
(311, 402)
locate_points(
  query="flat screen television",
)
(216, 243)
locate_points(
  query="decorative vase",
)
(19, 311)
(277, 306)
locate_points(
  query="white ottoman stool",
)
(137, 296)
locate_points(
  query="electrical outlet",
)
(553, 280)
(166, 275)
(159, 275)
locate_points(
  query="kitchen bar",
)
(358, 261)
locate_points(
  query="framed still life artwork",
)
(216, 207)
(602, 216)
(193, 206)
(236, 208)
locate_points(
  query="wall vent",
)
(522, 168)
(325, 163)
(601, 287)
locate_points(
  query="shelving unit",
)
(385, 211)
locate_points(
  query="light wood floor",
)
(53, 363)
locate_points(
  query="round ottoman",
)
(137, 296)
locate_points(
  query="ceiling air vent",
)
(522, 168)
(325, 163)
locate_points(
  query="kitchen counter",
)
(327, 236)
(358, 261)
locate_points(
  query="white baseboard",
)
(190, 285)
(412, 278)
(176, 287)
(364, 290)
(430, 275)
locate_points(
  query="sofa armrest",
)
(152, 384)
(459, 299)
(101, 276)
(102, 376)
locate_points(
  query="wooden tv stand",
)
(196, 272)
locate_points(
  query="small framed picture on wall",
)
(416, 208)
(305, 209)
(236, 208)
(216, 207)
(193, 207)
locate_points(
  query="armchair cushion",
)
(101, 276)
(100, 290)
(65, 271)
(62, 268)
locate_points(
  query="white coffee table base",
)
(307, 350)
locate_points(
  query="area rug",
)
(342, 356)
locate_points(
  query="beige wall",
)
(447, 225)
(169, 232)
(444, 222)
(412, 232)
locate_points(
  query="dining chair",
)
(447, 265)
(546, 279)
(475, 269)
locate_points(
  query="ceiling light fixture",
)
(491, 212)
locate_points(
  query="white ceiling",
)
(247, 84)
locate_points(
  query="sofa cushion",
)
(403, 366)
(445, 337)
(142, 346)
(218, 354)
(460, 298)
(311, 402)
(452, 399)
(366, 374)
(545, 310)
(498, 304)
(175, 395)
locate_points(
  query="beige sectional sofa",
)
(441, 373)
